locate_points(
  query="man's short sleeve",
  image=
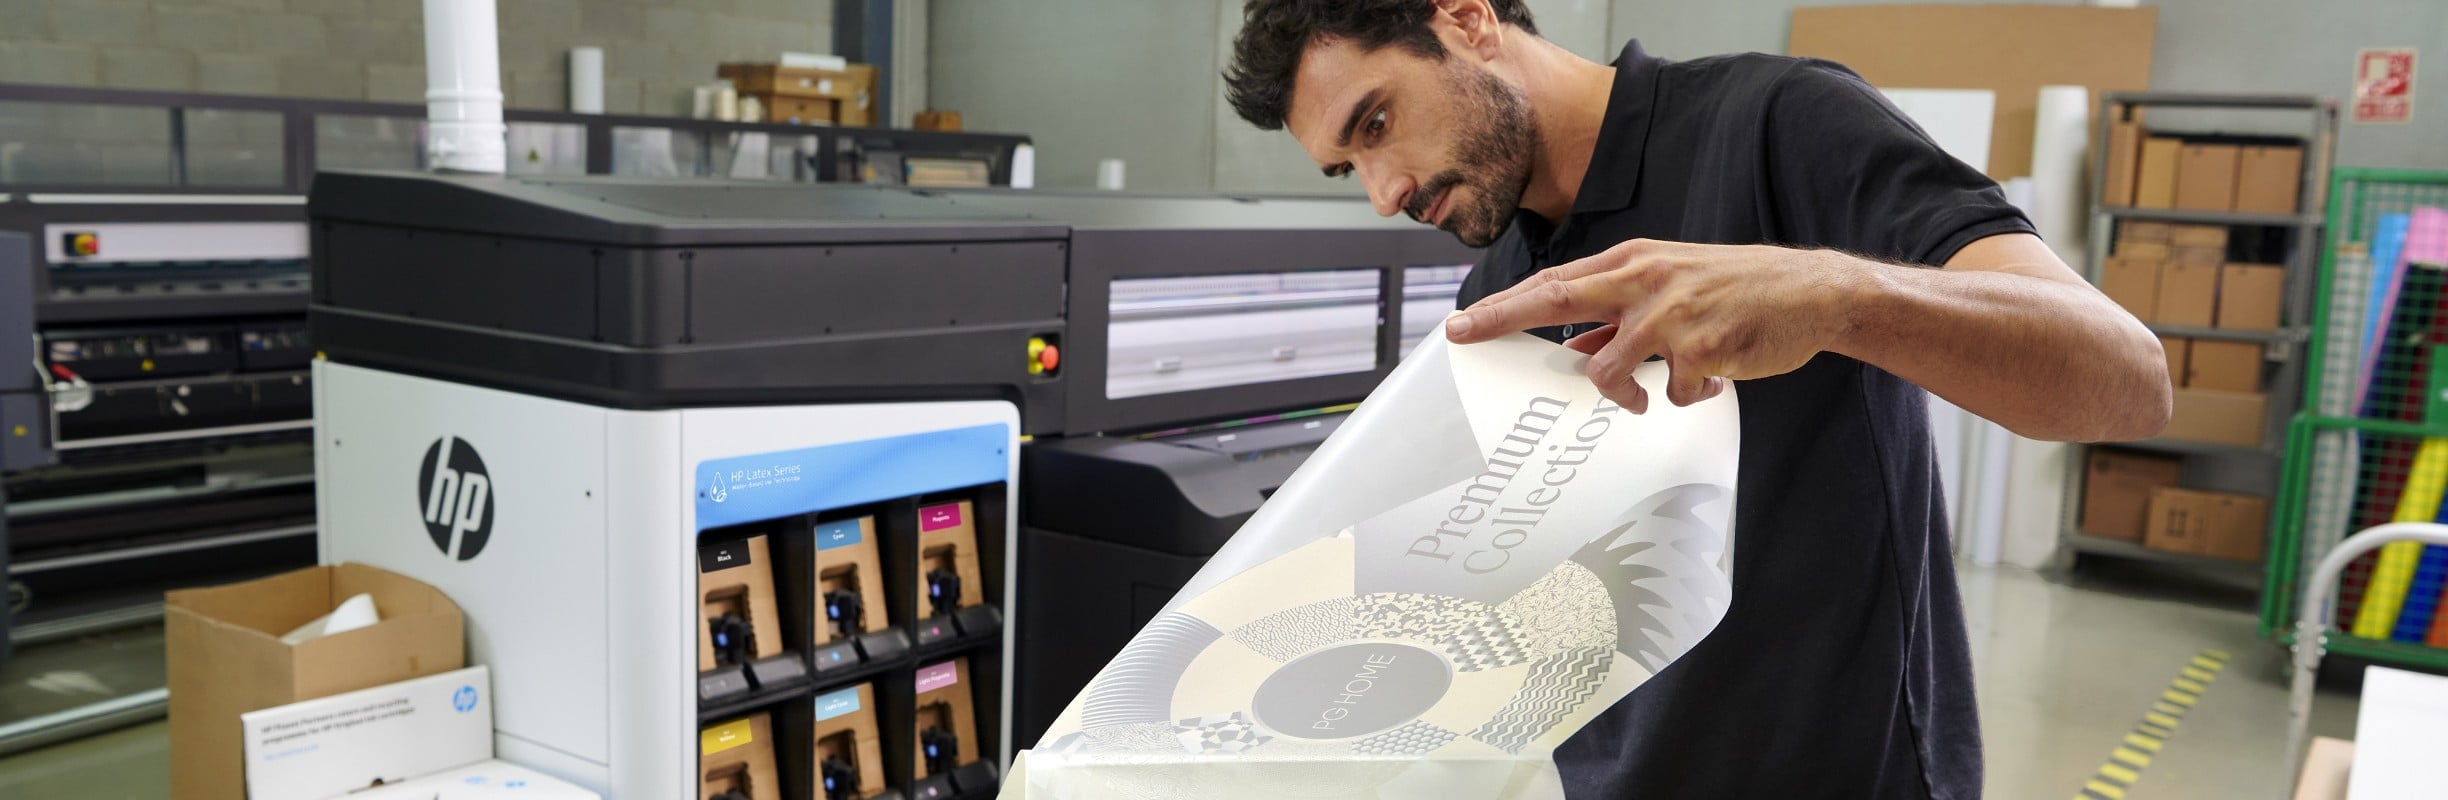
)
(1849, 171)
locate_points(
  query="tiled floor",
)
(2066, 665)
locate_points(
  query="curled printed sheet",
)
(1485, 556)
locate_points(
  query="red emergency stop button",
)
(81, 244)
(1043, 356)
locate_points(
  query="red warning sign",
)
(2384, 84)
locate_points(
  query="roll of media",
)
(2060, 136)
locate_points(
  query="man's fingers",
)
(1552, 303)
(1589, 343)
(1689, 383)
(1613, 367)
(1612, 258)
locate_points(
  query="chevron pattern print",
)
(1556, 685)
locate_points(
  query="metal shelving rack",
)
(2285, 346)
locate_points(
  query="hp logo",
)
(464, 700)
(457, 497)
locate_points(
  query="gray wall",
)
(374, 49)
(1139, 81)
(2288, 46)
(1088, 79)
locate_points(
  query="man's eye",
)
(1377, 122)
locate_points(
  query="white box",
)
(328, 746)
(483, 780)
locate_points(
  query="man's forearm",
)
(2048, 359)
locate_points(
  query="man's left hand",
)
(1714, 312)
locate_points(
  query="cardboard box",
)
(2142, 230)
(226, 658)
(2117, 488)
(2198, 256)
(2213, 524)
(2206, 177)
(2124, 157)
(937, 121)
(326, 747)
(2269, 179)
(2211, 236)
(945, 700)
(846, 730)
(798, 110)
(2249, 296)
(735, 577)
(2188, 293)
(947, 539)
(848, 560)
(776, 79)
(2224, 366)
(2133, 283)
(2155, 178)
(2325, 770)
(851, 90)
(2179, 358)
(2142, 250)
(2210, 415)
(738, 756)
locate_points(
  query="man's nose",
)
(1388, 189)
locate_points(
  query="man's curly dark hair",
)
(1274, 34)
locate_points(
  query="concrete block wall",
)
(655, 50)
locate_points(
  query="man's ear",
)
(1468, 25)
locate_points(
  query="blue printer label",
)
(741, 489)
(839, 533)
(837, 704)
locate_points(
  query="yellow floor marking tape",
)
(2133, 754)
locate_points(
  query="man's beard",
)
(1492, 157)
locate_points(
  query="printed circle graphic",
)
(1352, 690)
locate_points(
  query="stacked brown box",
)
(937, 121)
(2224, 366)
(2144, 250)
(2207, 236)
(841, 97)
(2197, 255)
(2214, 524)
(2206, 177)
(2124, 157)
(2188, 294)
(2218, 417)
(2117, 488)
(2269, 179)
(2133, 283)
(2179, 357)
(2155, 174)
(2249, 296)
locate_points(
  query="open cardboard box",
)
(226, 658)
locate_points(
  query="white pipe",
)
(463, 98)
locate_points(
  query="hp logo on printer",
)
(464, 700)
(457, 497)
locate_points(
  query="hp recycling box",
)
(1485, 556)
